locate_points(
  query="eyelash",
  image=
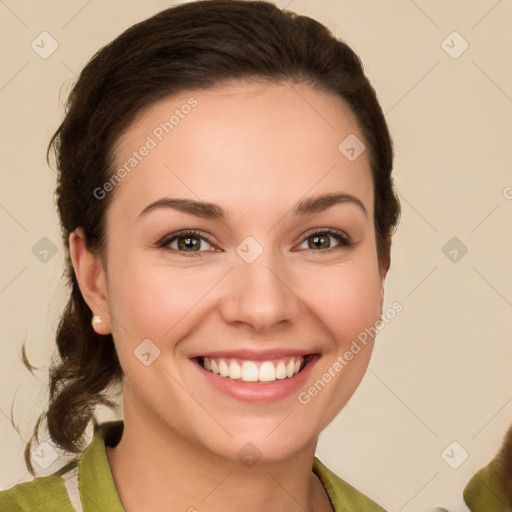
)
(342, 238)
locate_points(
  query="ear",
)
(91, 277)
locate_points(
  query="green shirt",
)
(485, 491)
(86, 485)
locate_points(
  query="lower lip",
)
(259, 391)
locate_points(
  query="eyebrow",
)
(212, 211)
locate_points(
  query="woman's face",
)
(272, 274)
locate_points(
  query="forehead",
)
(242, 144)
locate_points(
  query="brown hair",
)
(193, 45)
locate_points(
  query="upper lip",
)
(254, 355)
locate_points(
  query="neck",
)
(156, 469)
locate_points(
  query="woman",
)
(227, 205)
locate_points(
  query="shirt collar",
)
(98, 490)
(96, 484)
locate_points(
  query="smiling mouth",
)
(255, 371)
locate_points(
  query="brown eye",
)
(325, 240)
(189, 243)
(186, 242)
(319, 242)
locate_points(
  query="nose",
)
(259, 296)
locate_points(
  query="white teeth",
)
(223, 368)
(290, 368)
(281, 370)
(235, 372)
(267, 372)
(215, 367)
(249, 371)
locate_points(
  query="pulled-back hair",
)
(189, 46)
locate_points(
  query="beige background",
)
(441, 369)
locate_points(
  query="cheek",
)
(346, 299)
(155, 300)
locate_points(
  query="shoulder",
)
(342, 495)
(40, 494)
(491, 487)
(76, 486)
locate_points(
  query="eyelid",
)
(343, 238)
(330, 231)
(167, 239)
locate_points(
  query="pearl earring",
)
(96, 320)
